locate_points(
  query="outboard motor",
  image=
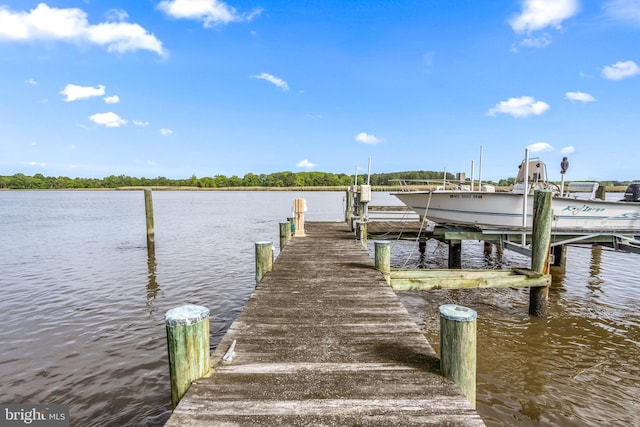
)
(632, 193)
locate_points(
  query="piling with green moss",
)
(188, 345)
(264, 259)
(458, 347)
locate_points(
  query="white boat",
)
(488, 209)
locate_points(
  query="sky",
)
(175, 88)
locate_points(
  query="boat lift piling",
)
(358, 197)
(348, 211)
(540, 249)
(455, 253)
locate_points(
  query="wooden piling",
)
(188, 345)
(488, 248)
(559, 256)
(264, 259)
(540, 249)
(422, 245)
(148, 205)
(458, 347)
(359, 206)
(383, 258)
(285, 234)
(348, 211)
(455, 254)
(362, 232)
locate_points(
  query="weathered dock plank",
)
(427, 279)
(323, 340)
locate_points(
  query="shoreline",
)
(609, 189)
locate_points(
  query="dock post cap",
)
(264, 243)
(185, 315)
(458, 312)
(381, 242)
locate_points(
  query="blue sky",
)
(91, 88)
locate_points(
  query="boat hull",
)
(505, 210)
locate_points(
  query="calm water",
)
(83, 306)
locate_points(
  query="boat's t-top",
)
(537, 171)
(536, 177)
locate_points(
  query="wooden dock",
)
(323, 340)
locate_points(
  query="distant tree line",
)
(21, 181)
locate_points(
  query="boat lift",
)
(513, 239)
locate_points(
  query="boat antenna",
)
(525, 196)
(480, 171)
(473, 167)
(369, 172)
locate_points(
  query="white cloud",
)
(123, 37)
(71, 25)
(117, 15)
(539, 42)
(31, 82)
(306, 164)
(367, 138)
(540, 147)
(568, 150)
(166, 132)
(273, 79)
(620, 70)
(36, 164)
(112, 99)
(74, 92)
(140, 123)
(539, 14)
(210, 12)
(623, 10)
(579, 96)
(520, 107)
(110, 120)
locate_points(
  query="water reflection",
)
(558, 275)
(594, 270)
(596, 260)
(152, 284)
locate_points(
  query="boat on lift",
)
(577, 210)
